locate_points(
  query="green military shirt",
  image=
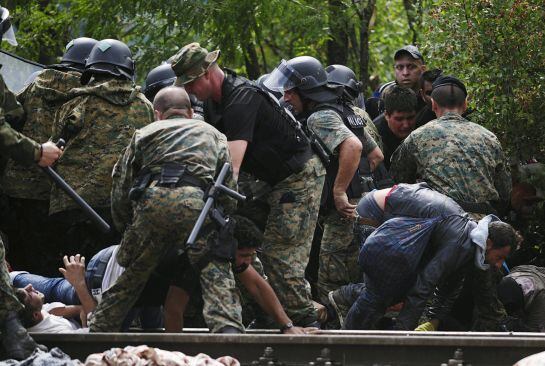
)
(329, 127)
(40, 99)
(458, 158)
(97, 125)
(531, 279)
(13, 144)
(193, 143)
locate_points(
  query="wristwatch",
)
(286, 327)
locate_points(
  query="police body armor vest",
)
(362, 180)
(284, 124)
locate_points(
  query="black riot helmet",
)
(5, 27)
(307, 75)
(110, 57)
(157, 79)
(76, 52)
(344, 76)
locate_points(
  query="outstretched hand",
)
(74, 269)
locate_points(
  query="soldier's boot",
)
(17, 343)
(229, 330)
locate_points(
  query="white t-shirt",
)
(111, 274)
(55, 324)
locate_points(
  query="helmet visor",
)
(283, 77)
(7, 30)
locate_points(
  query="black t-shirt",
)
(246, 114)
(424, 116)
(389, 140)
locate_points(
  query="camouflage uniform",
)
(26, 151)
(28, 188)
(458, 158)
(96, 125)
(288, 238)
(162, 218)
(338, 250)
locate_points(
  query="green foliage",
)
(498, 49)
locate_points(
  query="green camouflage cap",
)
(191, 62)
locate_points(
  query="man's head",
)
(303, 80)
(249, 239)
(408, 65)
(511, 296)
(400, 110)
(448, 94)
(426, 84)
(196, 69)
(158, 78)
(172, 101)
(344, 76)
(502, 239)
(32, 301)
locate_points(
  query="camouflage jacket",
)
(458, 158)
(197, 145)
(40, 99)
(13, 144)
(329, 127)
(96, 125)
(369, 126)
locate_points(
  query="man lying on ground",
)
(170, 285)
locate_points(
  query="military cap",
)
(449, 80)
(191, 62)
(411, 50)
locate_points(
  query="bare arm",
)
(237, 150)
(264, 295)
(349, 159)
(174, 308)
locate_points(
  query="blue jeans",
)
(55, 289)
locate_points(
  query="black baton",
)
(217, 188)
(88, 210)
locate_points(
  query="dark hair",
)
(511, 296)
(430, 76)
(247, 233)
(502, 234)
(448, 96)
(400, 99)
(27, 313)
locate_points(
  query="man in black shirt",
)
(426, 114)
(266, 143)
(398, 120)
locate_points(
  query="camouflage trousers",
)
(294, 204)
(338, 256)
(8, 300)
(163, 219)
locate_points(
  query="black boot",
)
(18, 344)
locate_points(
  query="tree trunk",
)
(337, 45)
(251, 61)
(365, 14)
(413, 9)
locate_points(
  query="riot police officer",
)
(341, 133)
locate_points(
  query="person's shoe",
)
(333, 302)
(17, 343)
(229, 330)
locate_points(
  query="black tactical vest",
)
(362, 180)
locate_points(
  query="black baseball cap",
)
(449, 80)
(411, 50)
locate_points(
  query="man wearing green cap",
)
(265, 141)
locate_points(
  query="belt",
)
(185, 180)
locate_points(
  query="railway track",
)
(373, 348)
